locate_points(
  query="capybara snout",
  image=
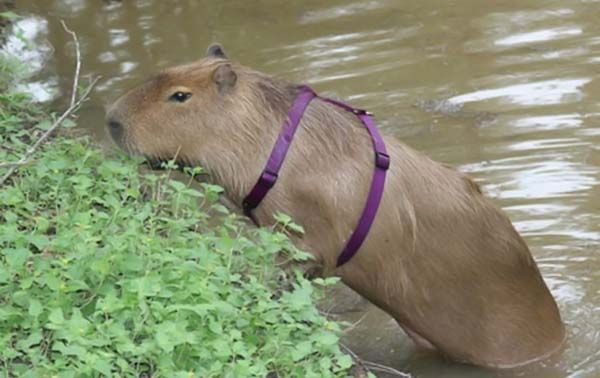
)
(116, 130)
(441, 258)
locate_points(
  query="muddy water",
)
(508, 91)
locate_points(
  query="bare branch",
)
(385, 369)
(25, 159)
(10, 165)
(74, 105)
(355, 324)
(368, 366)
(77, 62)
(357, 360)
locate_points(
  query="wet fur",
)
(443, 260)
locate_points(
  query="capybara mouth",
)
(161, 164)
(155, 164)
(116, 130)
(120, 141)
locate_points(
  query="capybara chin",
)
(440, 258)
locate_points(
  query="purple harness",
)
(269, 175)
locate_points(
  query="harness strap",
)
(382, 163)
(269, 175)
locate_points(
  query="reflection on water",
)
(547, 92)
(506, 91)
(538, 36)
(31, 29)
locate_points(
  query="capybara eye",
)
(180, 96)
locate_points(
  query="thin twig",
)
(355, 324)
(25, 159)
(77, 62)
(9, 148)
(368, 365)
(357, 360)
(385, 369)
(74, 105)
(11, 165)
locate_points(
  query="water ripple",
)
(539, 36)
(546, 92)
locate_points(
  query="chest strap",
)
(269, 175)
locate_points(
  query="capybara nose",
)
(116, 129)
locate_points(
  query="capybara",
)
(440, 258)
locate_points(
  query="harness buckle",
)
(361, 112)
(268, 178)
(382, 160)
(265, 182)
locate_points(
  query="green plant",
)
(106, 272)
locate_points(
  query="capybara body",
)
(440, 258)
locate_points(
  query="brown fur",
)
(443, 260)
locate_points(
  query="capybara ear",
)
(216, 51)
(225, 77)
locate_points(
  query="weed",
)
(107, 272)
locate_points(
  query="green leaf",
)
(77, 325)
(169, 335)
(102, 366)
(345, 362)
(9, 15)
(5, 275)
(215, 327)
(302, 350)
(50, 280)
(287, 223)
(221, 348)
(40, 241)
(21, 298)
(326, 338)
(68, 123)
(178, 186)
(33, 339)
(44, 125)
(35, 308)
(16, 258)
(71, 350)
(56, 316)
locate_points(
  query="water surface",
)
(508, 91)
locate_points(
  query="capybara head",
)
(187, 110)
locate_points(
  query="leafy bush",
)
(106, 272)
